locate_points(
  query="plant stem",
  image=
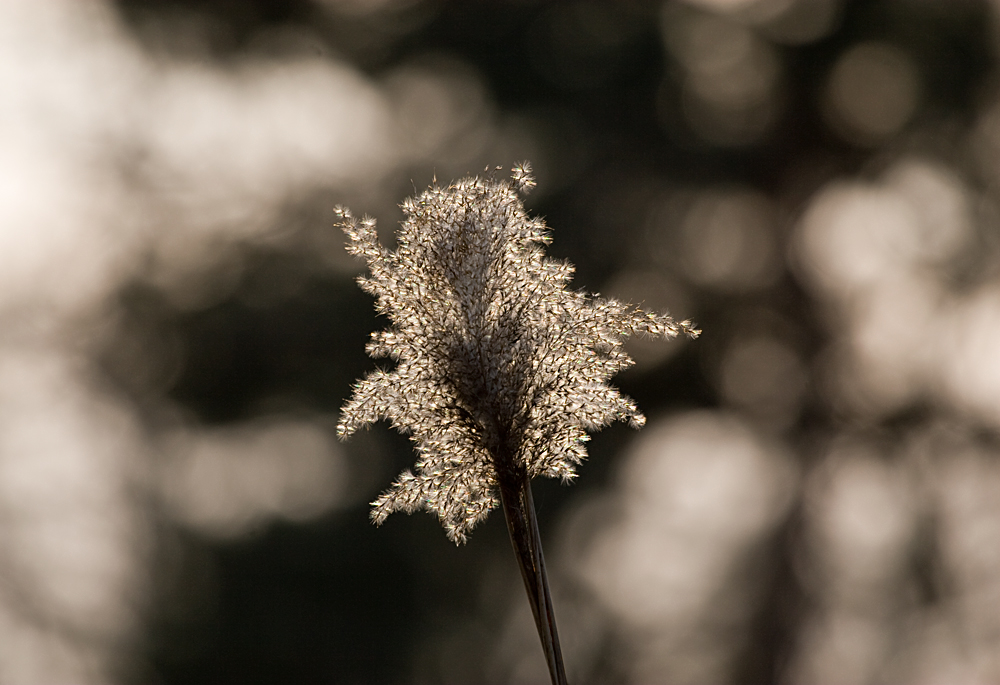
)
(519, 510)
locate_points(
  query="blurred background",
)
(816, 497)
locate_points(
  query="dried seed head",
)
(498, 364)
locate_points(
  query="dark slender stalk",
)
(519, 510)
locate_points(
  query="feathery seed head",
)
(498, 364)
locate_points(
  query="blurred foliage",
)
(608, 102)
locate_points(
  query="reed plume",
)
(500, 369)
